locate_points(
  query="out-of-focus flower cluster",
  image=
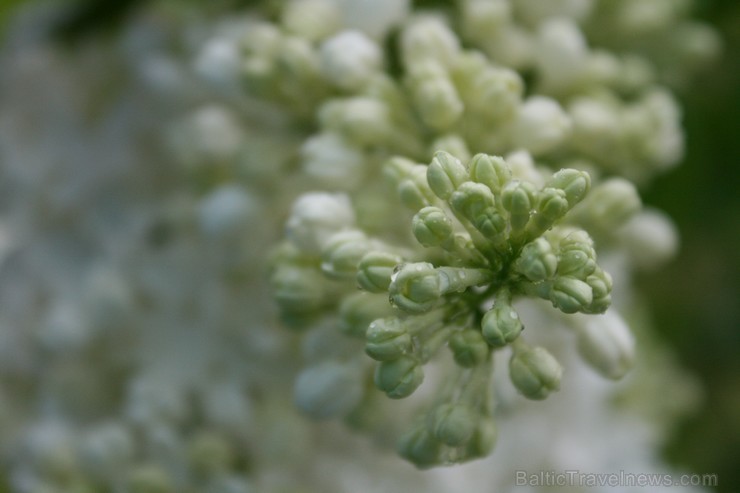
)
(147, 178)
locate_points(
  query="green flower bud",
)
(375, 269)
(445, 174)
(387, 339)
(537, 261)
(577, 257)
(551, 206)
(469, 348)
(519, 199)
(453, 424)
(428, 38)
(358, 310)
(483, 439)
(342, 253)
(492, 94)
(362, 121)
(432, 227)
(501, 324)
(435, 98)
(574, 183)
(415, 287)
(297, 290)
(414, 190)
(349, 59)
(397, 169)
(491, 171)
(606, 344)
(610, 204)
(570, 295)
(578, 240)
(313, 20)
(475, 202)
(420, 448)
(535, 372)
(453, 144)
(576, 264)
(399, 378)
(601, 285)
(600, 282)
(410, 180)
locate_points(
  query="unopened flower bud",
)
(468, 347)
(483, 439)
(342, 253)
(349, 59)
(375, 270)
(453, 424)
(435, 98)
(362, 121)
(491, 171)
(445, 174)
(501, 324)
(535, 372)
(387, 339)
(541, 126)
(432, 227)
(297, 290)
(519, 199)
(452, 143)
(428, 39)
(576, 256)
(311, 19)
(551, 206)
(537, 261)
(606, 343)
(610, 204)
(570, 295)
(315, 217)
(399, 378)
(574, 183)
(415, 287)
(492, 94)
(414, 190)
(358, 310)
(420, 447)
(475, 202)
(601, 286)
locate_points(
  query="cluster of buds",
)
(488, 236)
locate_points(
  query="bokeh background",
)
(695, 300)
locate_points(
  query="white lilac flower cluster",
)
(144, 191)
(518, 116)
